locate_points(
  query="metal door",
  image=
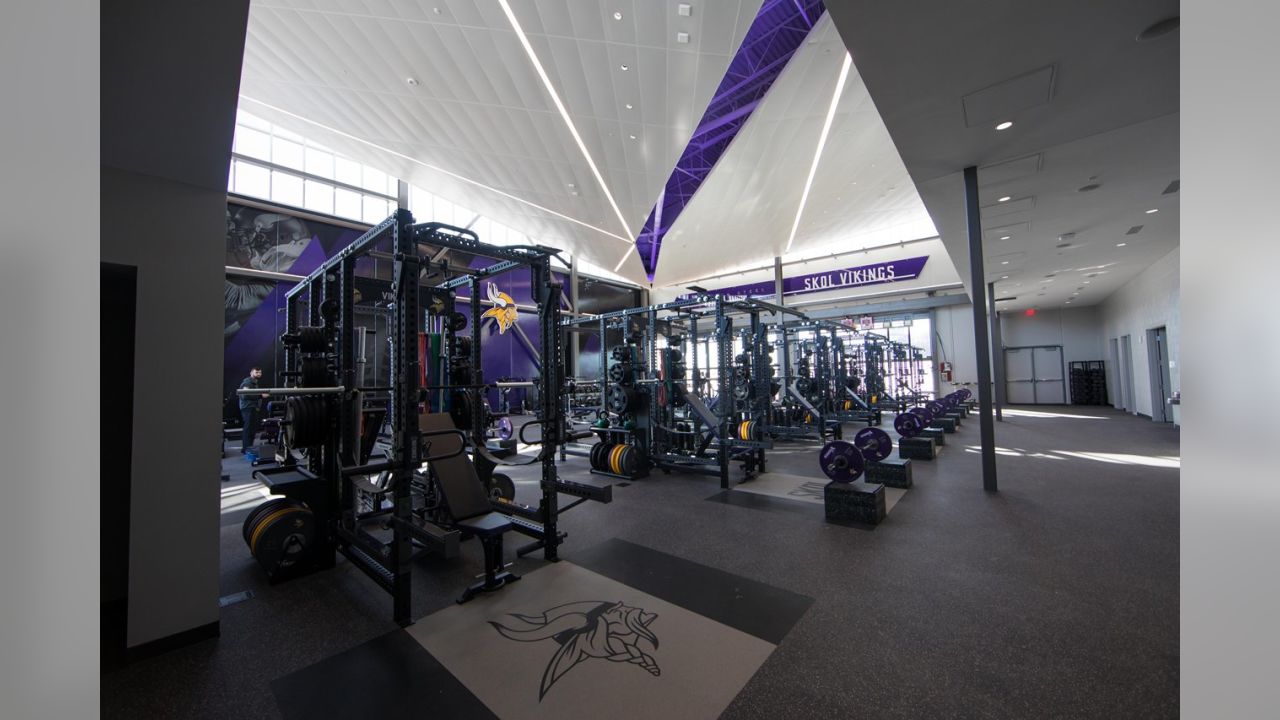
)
(1050, 385)
(1034, 375)
(1019, 376)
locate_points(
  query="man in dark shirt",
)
(250, 410)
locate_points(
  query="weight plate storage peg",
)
(908, 424)
(841, 461)
(874, 443)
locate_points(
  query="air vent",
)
(1051, 275)
(1134, 230)
(1007, 299)
(1089, 188)
(1060, 246)
(1173, 188)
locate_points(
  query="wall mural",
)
(277, 241)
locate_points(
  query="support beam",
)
(997, 351)
(777, 281)
(573, 340)
(402, 193)
(978, 286)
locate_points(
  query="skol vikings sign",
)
(585, 630)
(503, 310)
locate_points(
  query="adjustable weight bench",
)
(468, 504)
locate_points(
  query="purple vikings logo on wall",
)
(585, 630)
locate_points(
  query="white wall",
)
(1077, 330)
(1148, 301)
(170, 76)
(954, 342)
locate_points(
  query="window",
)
(287, 154)
(318, 197)
(347, 204)
(286, 189)
(252, 180)
(319, 162)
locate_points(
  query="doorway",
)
(1034, 376)
(1126, 374)
(1158, 363)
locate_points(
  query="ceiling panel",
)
(480, 110)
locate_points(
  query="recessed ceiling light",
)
(1153, 210)
(1086, 282)
(1121, 244)
(630, 106)
(1004, 277)
(435, 10)
(633, 137)
(1006, 198)
(413, 82)
(1005, 125)
(1004, 237)
(1004, 262)
(617, 16)
(624, 67)
(571, 186)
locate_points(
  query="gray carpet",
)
(1057, 597)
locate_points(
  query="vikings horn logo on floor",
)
(503, 310)
(588, 629)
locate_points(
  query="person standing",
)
(250, 410)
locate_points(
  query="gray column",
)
(573, 337)
(997, 351)
(777, 281)
(402, 193)
(978, 285)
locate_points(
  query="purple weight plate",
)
(841, 461)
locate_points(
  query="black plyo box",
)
(917, 448)
(954, 416)
(890, 472)
(858, 501)
(945, 424)
(938, 435)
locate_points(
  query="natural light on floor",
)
(1162, 461)
(1042, 414)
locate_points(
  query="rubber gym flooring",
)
(1056, 597)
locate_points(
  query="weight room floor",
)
(1056, 597)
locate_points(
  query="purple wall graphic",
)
(875, 274)
(775, 35)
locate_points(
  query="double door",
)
(1035, 375)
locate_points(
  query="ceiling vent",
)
(1173, 188)
(1134, 230)
(1088, 188)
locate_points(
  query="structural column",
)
(572, 337)
(978, 286)
(997, 351)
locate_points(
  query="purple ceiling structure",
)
(775, 35)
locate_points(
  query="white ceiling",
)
(479, 109)
(1111, 118)
(336, 70)
(861, 194)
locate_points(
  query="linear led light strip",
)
(434, 168)
(822, 141)
(555, 97)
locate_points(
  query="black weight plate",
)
(284, 538)
(503, 488)
(841, 461)
(251, 520)
(908, 424)
(875, 444)
(457, 321)
(617, 372)
(629, 460)
(677, 371)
